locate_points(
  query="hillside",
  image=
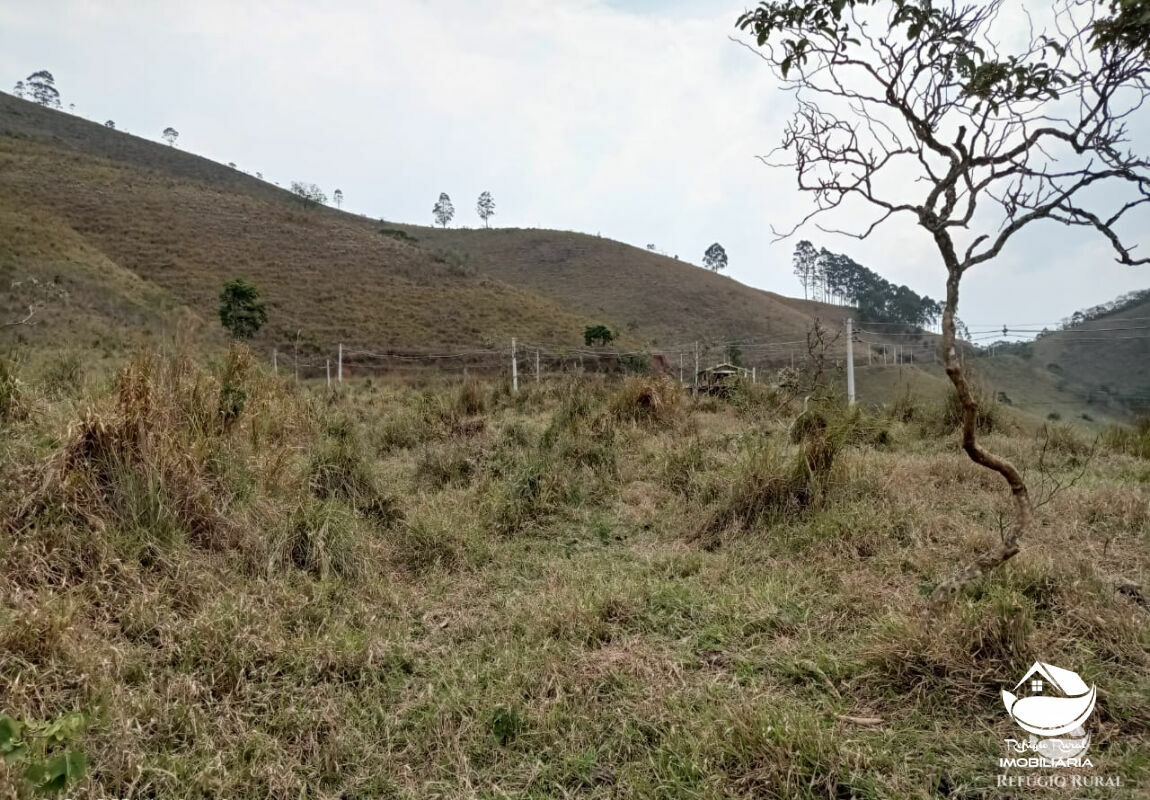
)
(663, 300)
(1105, 360)
(142, 236)
(181, 225)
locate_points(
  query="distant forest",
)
(837, 278)
(1119, 303)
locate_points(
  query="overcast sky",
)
(637, 119)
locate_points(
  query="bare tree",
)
(337, 195)
(913, 108)
(170, 135)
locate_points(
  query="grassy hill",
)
(662, 300)
(182, 225)
(1105, 360)
(142, 236)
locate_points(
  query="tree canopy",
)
(241, 312)
(597, 334)
(443, 210)
(485, 207)
(715, 258)
(42, 86)
(308, 193)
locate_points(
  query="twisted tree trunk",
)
(1024, 509)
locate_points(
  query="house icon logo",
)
(1050, 701)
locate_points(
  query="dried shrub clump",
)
(573, 463)
(770, 487)
(1130, 441)
(13, 403)
(647, 400)
(155, 461)
(340, 470)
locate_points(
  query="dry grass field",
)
(219, 583)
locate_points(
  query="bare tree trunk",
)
(1024, 509)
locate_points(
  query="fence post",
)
(339, 372)
(514, 368)
(850, 364)
(695, 381)
(329, 373)
(275, 362)
(754, 375)
(681, 370)
(537, 365)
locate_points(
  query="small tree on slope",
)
(443, 210)
(485, 207)
(984, 140)
(241, 312)
(715, 259)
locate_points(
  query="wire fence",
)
(872, 345)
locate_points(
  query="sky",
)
(636, 119)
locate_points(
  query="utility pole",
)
(850, 364)
(514, 368)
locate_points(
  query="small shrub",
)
(769, 487)
(418, 546)
(233, 395)
(340, 470)
(684, 466)
(398, 235)
(444, 466)
(988, 417)
(532, 492)
(649, 400)
(1133, 441)
(906, 408)
(320, 538)
(457, 263)
(756, 400)
(45, 751)
(64, 376)
(470, 399)
(1064, 440)
(13, 405)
